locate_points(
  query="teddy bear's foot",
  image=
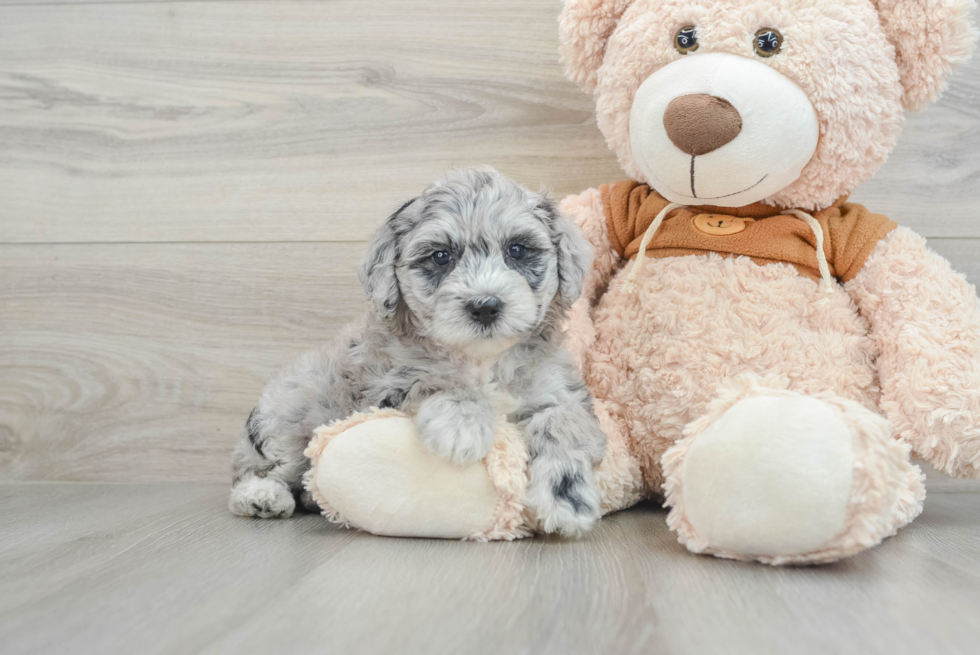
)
(372, 472)
(779, 477)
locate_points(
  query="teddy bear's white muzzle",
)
(721, 129)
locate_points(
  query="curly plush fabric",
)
(886, 493)
(696, 321)
(585, 26)
(618, 477)
(892, 353)
(839, 52)
(704, 332)
(931, 37)
(586, 209)
(925, 320)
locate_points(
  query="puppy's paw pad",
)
(263, 498)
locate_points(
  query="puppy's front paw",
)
(564, 501)
(459, 430)
(264, 498)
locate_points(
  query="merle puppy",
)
(469, 284)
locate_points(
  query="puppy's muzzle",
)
(485, 311)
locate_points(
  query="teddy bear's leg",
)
(371, 471)
(780, 477)
(617, 478)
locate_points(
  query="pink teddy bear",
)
(773, 353)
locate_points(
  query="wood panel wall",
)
(185, 189)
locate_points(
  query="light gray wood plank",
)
(303, 120)
(58, 3)
(963, 254)
(139, 362)
(931, 182)
(274, 121)
(149, 567)
(166, 569)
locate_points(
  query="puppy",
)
(469, 283)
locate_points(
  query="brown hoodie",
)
(759, 231)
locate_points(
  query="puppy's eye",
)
(768, 42)
(516, 251)
(686, 40)
(441, 258)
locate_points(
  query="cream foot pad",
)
(783, 478)
(371, 471)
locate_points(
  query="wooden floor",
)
(185, 190)
(164, 568)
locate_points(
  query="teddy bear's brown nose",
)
(698, 124)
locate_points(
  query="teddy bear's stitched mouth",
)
(727, 195)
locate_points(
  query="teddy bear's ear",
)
(584, 27)
(931, 38)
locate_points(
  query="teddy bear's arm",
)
(587, 211)
(925, 321)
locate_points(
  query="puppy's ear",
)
(574, 250)
(931, 38)
(377, 270)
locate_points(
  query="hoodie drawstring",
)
(629, 284)
(826, 279)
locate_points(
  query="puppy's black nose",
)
(485, 310)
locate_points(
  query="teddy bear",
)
(764, 355)
(763, 352)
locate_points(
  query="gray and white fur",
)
(469, 284)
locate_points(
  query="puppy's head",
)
(476, 263)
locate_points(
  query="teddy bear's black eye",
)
(516, 251)
(686, 40)
(441, 257)
(768, 42)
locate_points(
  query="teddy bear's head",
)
(789, 102)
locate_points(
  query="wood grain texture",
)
(964, 254)
(273, 121)
(255, 121)
(131, 362)
(140, 362)
(185, 188)
(93, 568)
